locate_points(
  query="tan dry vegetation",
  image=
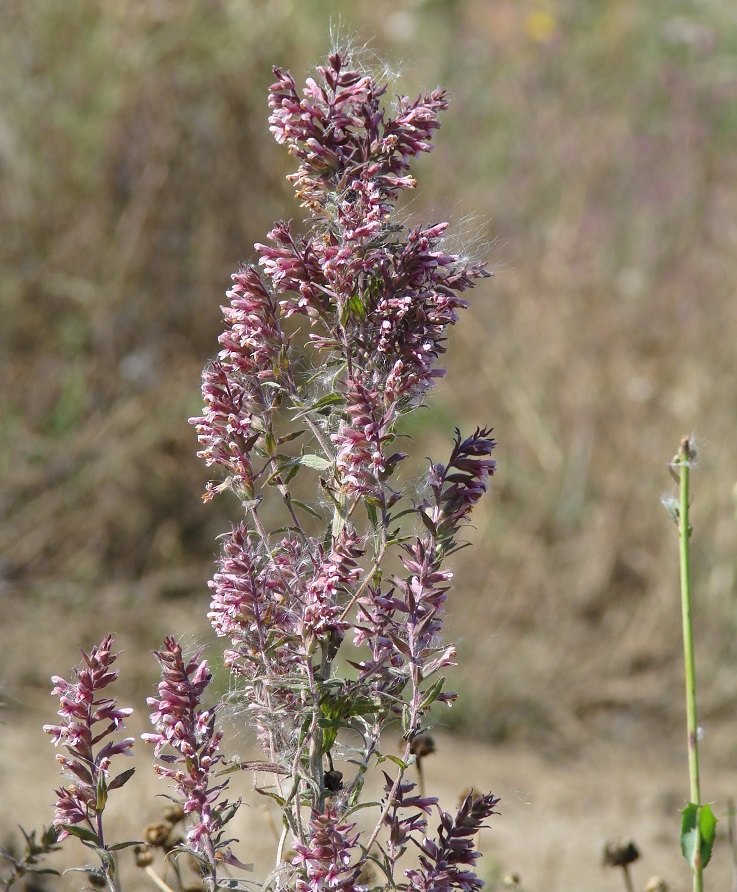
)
(596, 143)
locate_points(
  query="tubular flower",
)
(238, 404)
(447, 862)
(325, 859)
(89, 765)
(458, 485)
(361, 458)
(189, 730)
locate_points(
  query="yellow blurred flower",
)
(540, 25)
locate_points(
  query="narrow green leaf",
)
(330, 399)
(305, 507)
(101, 793)
(125, 845)
(432, 693)
(280, 800)
(293, 471)
(82, 833)
(427, 521)
(107, 858)
(397, 761)
(269, 443)
(121, 779)
(287, 438)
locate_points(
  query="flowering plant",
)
(80, 805)
(332, 612)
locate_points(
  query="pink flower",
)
(82, 709)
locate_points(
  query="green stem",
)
(683, 466)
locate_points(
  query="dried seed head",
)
(144, 856)
(620, 853)
(656, 884)
(157, 834)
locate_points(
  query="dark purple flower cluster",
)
(457, 486)
(447, 862)
(402, 826)
(87, 719)
(189, 730)
(402, 626)
(324, 860)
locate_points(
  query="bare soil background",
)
(595, 143)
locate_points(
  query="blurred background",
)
(589, 153)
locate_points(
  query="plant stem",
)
(628, 885)
(683, 465)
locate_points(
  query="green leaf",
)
(287, 438)
(125, 845)
(293, 471)
(698, 831)
(330, 728)
(107, 859)
(280, 800)
(101, 793)
(397, 761)
(316, 462)
(292, 465)
(82, 833)
(432, 693)
(305, 507)
(356, 308)
(330, 399)
(121, 779)
(427, 521)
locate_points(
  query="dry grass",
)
(596, 141)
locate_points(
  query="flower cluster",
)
(402, 826)
(447, 862)
(276, 606)
(235, 387)
(376, 300)
(457, 486)
(402, 626)
(341, 136)
(189, 730)
(324, 860)
(83, 801)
